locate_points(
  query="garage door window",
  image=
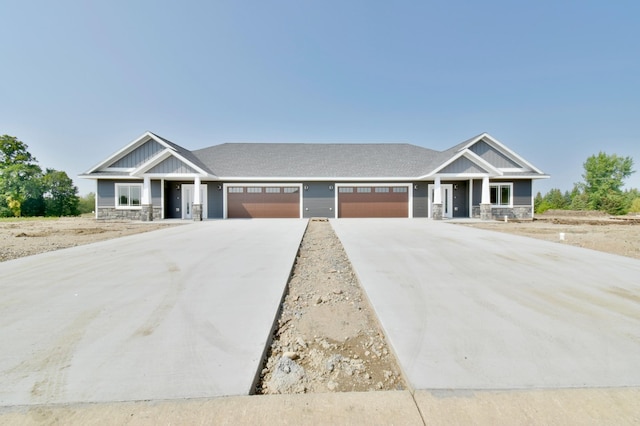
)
(272, 190)
(364, 189)
(400, 189)
(346, 190)
(254, 190)
(236, 190)
(382, 189)
(291, 190)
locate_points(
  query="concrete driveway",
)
(471, 309)
(178, 313)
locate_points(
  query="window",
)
(400, 189)
(364, 189)
(272, 190)
(501, 195)
(254, 189)
(382, 189)
(289, 190)
(236, 190)
(345, 190)
(128, 195)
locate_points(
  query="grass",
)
(27, 219)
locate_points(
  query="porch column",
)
(146, 203)
(470, 198)
(485, 203)
(197, 202)
(436, 208)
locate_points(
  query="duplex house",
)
(153, 178)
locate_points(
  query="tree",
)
(20, 186)
(603, 180)
(87, 203)
(60, 195)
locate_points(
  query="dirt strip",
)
(328, 338)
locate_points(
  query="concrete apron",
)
(545, 407)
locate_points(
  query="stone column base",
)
(197, 212)
(485, 212)
(436, 211)
(146, 215)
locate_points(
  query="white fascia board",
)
(124, 151)
(503, 148)
(511, 177)
(315, 179)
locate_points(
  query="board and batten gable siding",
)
(171, 165)
(139, 155)
(462, 165)
(493, 156)
(318, 200)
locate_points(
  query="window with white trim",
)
(128, 195)
(345, 189)
(254, 189)
(291, 190)
(272, 190)
(400, 189)
(382, 189)
(501, 194)
(236, 190)
(364, 189)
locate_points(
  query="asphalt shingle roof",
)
(282, 160)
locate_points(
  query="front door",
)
(447, 199)
(187, 200)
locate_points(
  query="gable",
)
(172, 165)
(138, 156)
(463, 165)
(493, 156)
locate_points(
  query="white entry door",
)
(447, 199)
(187, 200)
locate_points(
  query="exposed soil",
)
(26, 237)
(328, 339)
(618, 235)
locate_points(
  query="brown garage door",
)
(374, 201)
(263, 201)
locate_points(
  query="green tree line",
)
(27, 190)
(600, 189)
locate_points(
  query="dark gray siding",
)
(214, 198)
(318, 199)
(139, 155)
(522, 190)
(421, 199)
(156, 192)
(492, 156)
(477, 192)
(106, 193)
(460, 199)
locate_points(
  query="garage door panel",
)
(252, 204)
(371, 203)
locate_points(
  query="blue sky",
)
(556, 81)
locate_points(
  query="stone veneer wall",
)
(517, 212)
(111, 213)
